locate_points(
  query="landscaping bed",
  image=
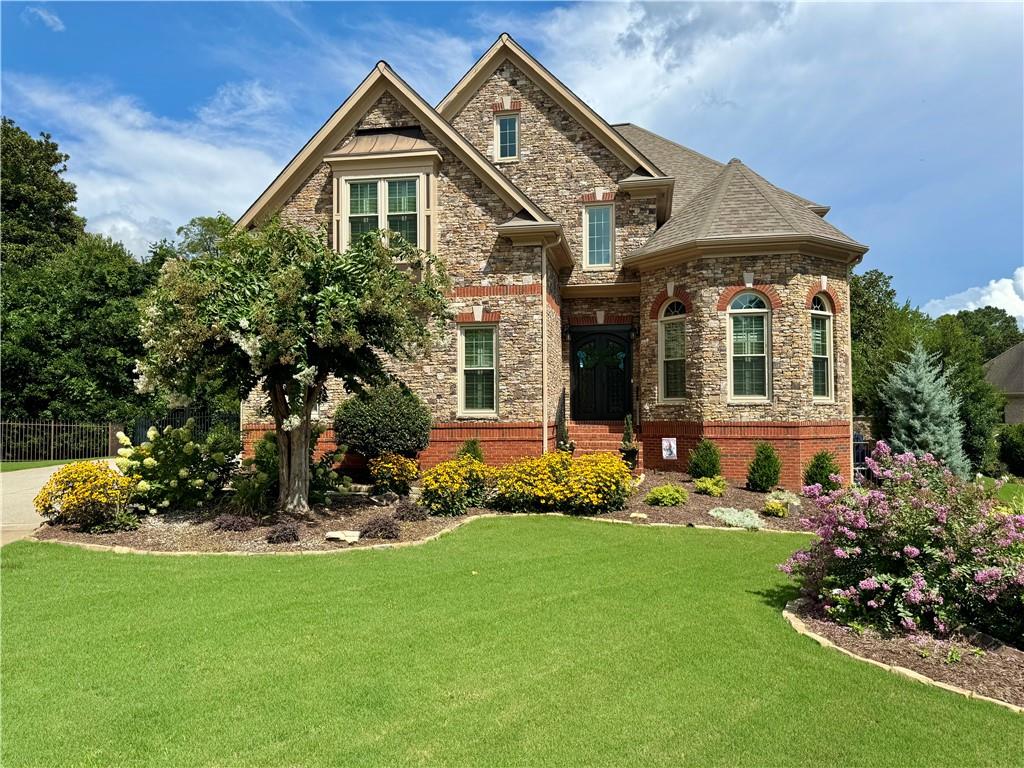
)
(695, 510)
(968, 660)
(196, 531)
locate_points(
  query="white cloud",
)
(1005, 293)
(139, 176)
(49, 18)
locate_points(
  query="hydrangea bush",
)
(919, 550)
(173, 470)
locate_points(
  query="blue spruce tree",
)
(923, 414)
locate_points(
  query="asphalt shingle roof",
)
(1005, 372)
(712, 200)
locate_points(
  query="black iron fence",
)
(24, 440)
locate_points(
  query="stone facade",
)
(561, 166)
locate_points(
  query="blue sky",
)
(908, 119)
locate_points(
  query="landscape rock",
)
(349, 537)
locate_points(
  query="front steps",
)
(598, 436)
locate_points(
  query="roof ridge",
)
(764, 188)
(722, 180)
(683, 147)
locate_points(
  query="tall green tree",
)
(994, 328)
(278, 310)
(923, 413)
(37, 202)
(71, 334)
(980, 404)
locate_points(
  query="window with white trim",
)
(506, 136)
(749, 347)
(478, 370)
(821, 347)
(391, 203)
(672, 351)
(598, 236)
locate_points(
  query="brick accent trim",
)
(515, 105)
(732, 291)
(609, 319)
(485, 317)
(472, 291)
(597, 197)
(553, 303)
(662, 298)
(814, 290)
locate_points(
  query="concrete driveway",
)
(17, 489)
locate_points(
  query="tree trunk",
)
(292, 453)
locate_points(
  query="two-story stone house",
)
(598, 270)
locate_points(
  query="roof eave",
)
(661, 187)
(548, 234)
(847, 251)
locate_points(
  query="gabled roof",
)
(507, 48)
(1005, 372)
(738, 206)
(380, 80)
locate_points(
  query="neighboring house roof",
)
(507, 48)
(737, 205)
(380, 80)
(1005, 372)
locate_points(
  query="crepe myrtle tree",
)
(277, 309)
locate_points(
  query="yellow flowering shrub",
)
(592, 483)
(393, 472)
(776, 508)
(87, 493)
(453, 486)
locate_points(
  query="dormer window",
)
(383, 203)
(506, 136)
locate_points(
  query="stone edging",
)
(789, 612)
(458, 523)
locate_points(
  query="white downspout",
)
(544, 341)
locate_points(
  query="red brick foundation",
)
(796, 443)
(501, 442)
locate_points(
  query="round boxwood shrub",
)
(705, 460)
(1011, 448)
(763, 472)
(389, 419)
(820, 471)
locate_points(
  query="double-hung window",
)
(384, 204)
(750, 342)
(672, 351)
(598, 236)
(821, 347)
(506, 134)
(478, 374)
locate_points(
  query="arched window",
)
(672, 352)
(821, 347)
(750, 346)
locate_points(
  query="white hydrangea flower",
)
(149, 461)
(124, 452)
(143, 486)
(211, 476)
(189, 448)
(183, 473)
(152, 433)
(123, 439)
(199, 483)
(173, 483)
(123, 464)
(165, 503)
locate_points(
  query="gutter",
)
(544, 341)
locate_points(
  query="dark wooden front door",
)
(601, 377)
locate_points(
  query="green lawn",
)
(14, 466)
(512, 641)
(1008, 492)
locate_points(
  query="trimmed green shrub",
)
(389, 419)
(737, 518)
(820, 470)
(1011, 448)
(472, 449)
(668, 495)
(380, 527)
(710, 486)
(763, 472)
(705, 460)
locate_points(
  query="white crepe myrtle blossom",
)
(291, 423)
(306, 376)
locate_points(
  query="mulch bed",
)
(968, 660)
(194, 532)
(695, 510)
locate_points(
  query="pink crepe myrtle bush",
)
(920, 550)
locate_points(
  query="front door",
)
(601, 380)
